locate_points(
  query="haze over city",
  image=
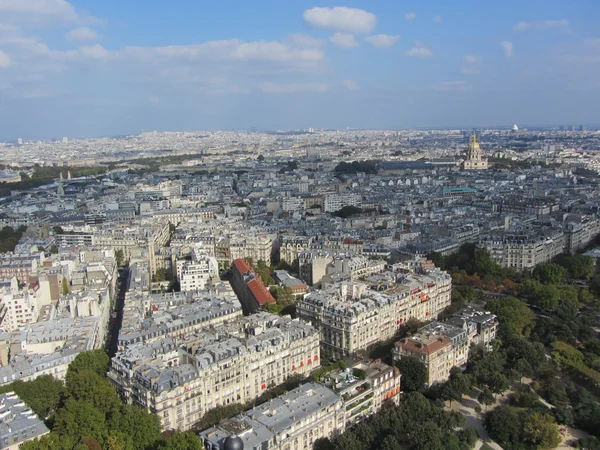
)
(86, 69)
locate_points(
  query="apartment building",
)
(579, 232)
(20, 267)
(234, 363)
(18, 307)
(293, 421)
(18, 423)
(291, 246)
(197, 274)
(248, 287)
(525, 250)
(351, 317)
(335, 202)
(365, 388)
(75, 240)
(459, 336)
(355, 267)
(258, 246)
(435, 351)
(481, 326)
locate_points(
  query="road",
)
(116, 319)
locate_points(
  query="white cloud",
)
(82, 34)
(5, 60)
(451, 86)
(419, 51)
(344, 40)
(437, 19)
(303, 40)
(410, 16)
(228, 50)
(275, 88)
(472, 65)
(341, 18)
(43, 12)
(470, 70)
(507, 47)
(94, 52)
(382, 40)
(351, 85)
(543, 25)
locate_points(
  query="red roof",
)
(260, 293)
(242, 265)
(350, 241)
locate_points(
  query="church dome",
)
(233, 443)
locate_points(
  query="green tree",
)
(504, 425)
(43, 395)
(514, 316)
(92, 360)
(181, 441)
(95, 389)
(579, 267)
(428, 436)
(65, 286)
(540, 431)
(486, 397)
(347, 211)
(483, 264)
(414, 373)
(550, 273)
(119, 257)
(283, 294)
(78, 420)
(161, 274)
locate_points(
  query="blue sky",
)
(93, 68)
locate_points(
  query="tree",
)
(540, 431)
(414, 373)
(78, 420)
(284, 295)
(161, 274)
(579, 267)
(347, 211)
(323, 444)
(65, 286)
(498, 383)
(92, 360)
(260, 158)
(550, 273)
(486, 397)
(504, 425)
(90, 387)
(514, 315)
(43, 395)
(181, 441)
(119, 257)
(428, 436)
(483, 264)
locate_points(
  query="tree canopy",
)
(414, 373)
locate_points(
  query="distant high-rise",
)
(65, 140)
(20, 141)
(475, 158)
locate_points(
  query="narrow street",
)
(116, 318)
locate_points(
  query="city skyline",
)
(81, 69)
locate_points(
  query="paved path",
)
(475, 421)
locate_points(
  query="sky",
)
(85, 68)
